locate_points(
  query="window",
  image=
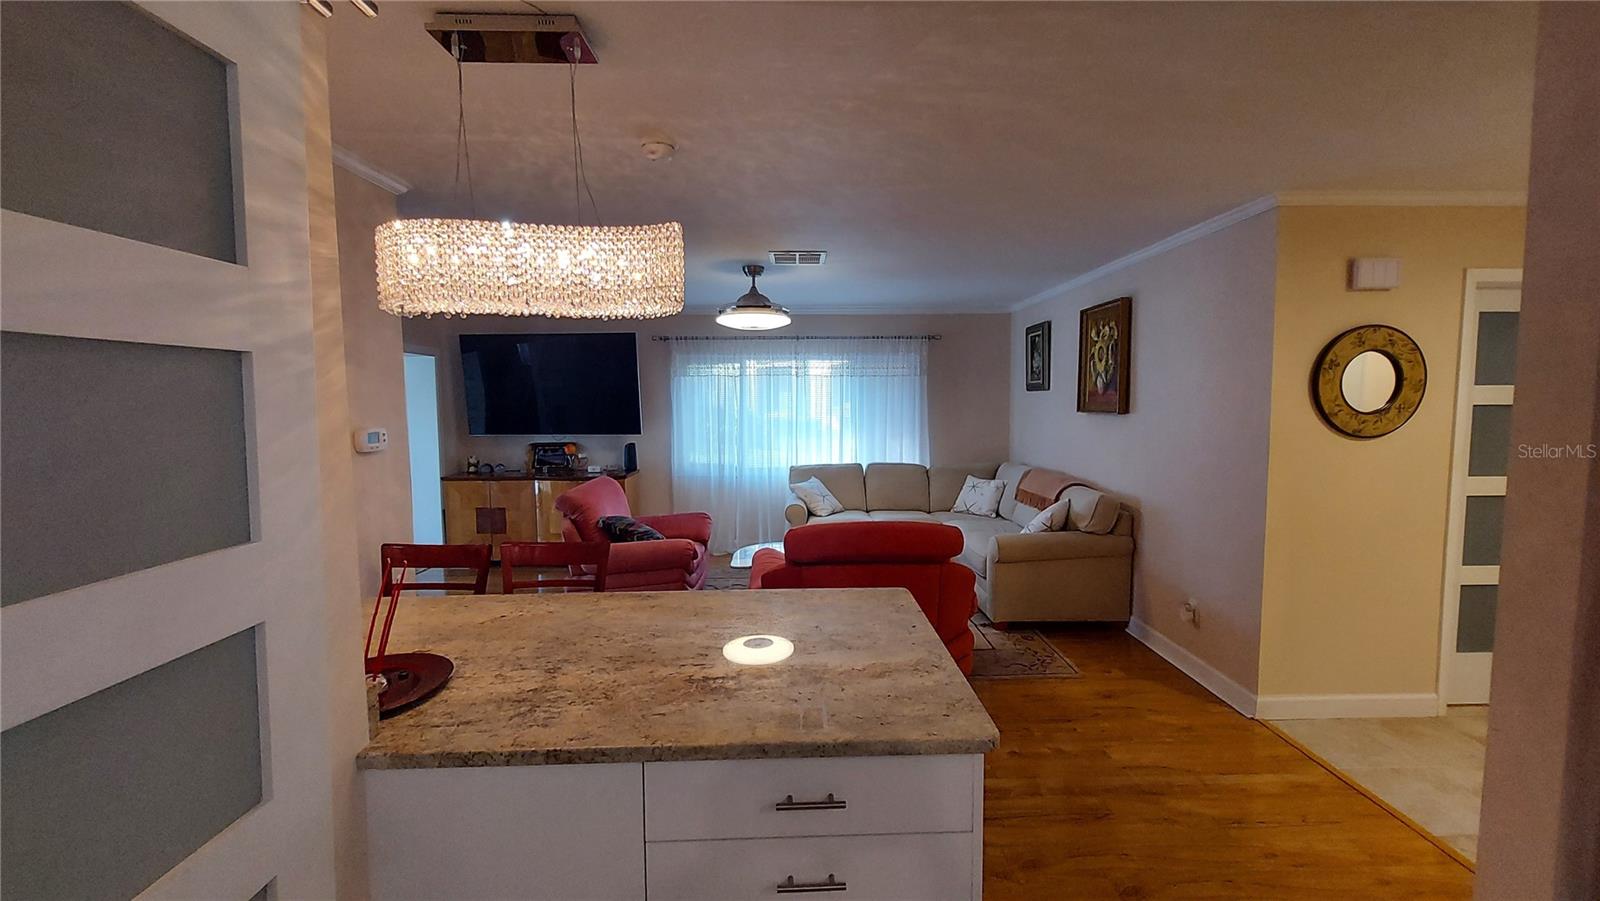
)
(746, 409)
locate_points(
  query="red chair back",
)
(408, 559)
(915, 556)
(583, 506)
(584, 563)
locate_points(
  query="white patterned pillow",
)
(817, 498)
(980, 497)
(1051, 519)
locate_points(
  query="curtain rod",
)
(795, 337)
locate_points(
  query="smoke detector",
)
(797, 257)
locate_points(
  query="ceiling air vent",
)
(797, 257)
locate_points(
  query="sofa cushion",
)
(979, 496)
(845, 480)
(1092, 511)
(897, 486)
(901, 516)
(976, 533)
(1011, 474)
(818, 499)
(944, 483)
(846, 516)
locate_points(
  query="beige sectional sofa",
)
(1048, 576)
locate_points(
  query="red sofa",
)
(912, 555)
(676, 564)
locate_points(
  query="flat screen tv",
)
(568, 384)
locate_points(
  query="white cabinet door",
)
(563, 833)
(888, 867)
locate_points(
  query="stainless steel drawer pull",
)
(790, 887)
(828, 803)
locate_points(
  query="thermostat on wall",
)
(370, 440)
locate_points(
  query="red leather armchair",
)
(676, 564)
(911, 555)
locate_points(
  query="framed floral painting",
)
(1104, 342)
(1036, 353)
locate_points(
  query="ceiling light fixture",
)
(754, 312)
(323, 8)
(457, 267)
(369, 8)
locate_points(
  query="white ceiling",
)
(948, 156)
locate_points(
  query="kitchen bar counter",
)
(641, 677)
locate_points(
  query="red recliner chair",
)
(675, 564)
(911, 555)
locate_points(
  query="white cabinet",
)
(886, 827)
(561, 833)
(936, 867)
(807, 796)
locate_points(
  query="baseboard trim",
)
(1324, 707)
(1210, 678)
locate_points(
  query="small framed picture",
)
(1036, 352)
(1104, 341)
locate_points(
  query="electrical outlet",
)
(1191, 612)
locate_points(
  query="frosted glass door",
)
(1478, 482)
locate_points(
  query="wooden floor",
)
(1134, 782)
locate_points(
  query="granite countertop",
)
(631, 677)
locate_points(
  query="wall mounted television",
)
(551, 384)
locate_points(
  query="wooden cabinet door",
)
(463, 501)
(549, 518)
(517, 500)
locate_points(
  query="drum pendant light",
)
(754, 312)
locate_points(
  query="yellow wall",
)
(1356, 529)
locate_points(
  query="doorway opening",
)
(422, 424)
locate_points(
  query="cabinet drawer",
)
(718, 799)
(911, 867)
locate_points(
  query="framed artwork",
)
(1036, 352)
(1105, 333)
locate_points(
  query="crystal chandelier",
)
(457, 267)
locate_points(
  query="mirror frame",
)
(1327, 378)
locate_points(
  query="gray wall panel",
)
(116, 457)
(110, 120)
(101, 797)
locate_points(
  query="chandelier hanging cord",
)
(463, 146)
(580, 173)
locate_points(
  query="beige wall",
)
(1541, 798)
(337, 494)
(968, 410)
(1356, 529)
(374, 377)
(1191, 453)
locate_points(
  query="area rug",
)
(1015, 654)
(996, 654)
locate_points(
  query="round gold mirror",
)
(1369, 381)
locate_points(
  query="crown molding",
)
(348, 161)
(1271, 201)
(1402, 198)
(1192, 233)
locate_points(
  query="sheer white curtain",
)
(746, 409)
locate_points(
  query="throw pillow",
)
(626, 528)
(817, 498)
(980, 497)
(1051, 519)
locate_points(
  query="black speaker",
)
(630, 457)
